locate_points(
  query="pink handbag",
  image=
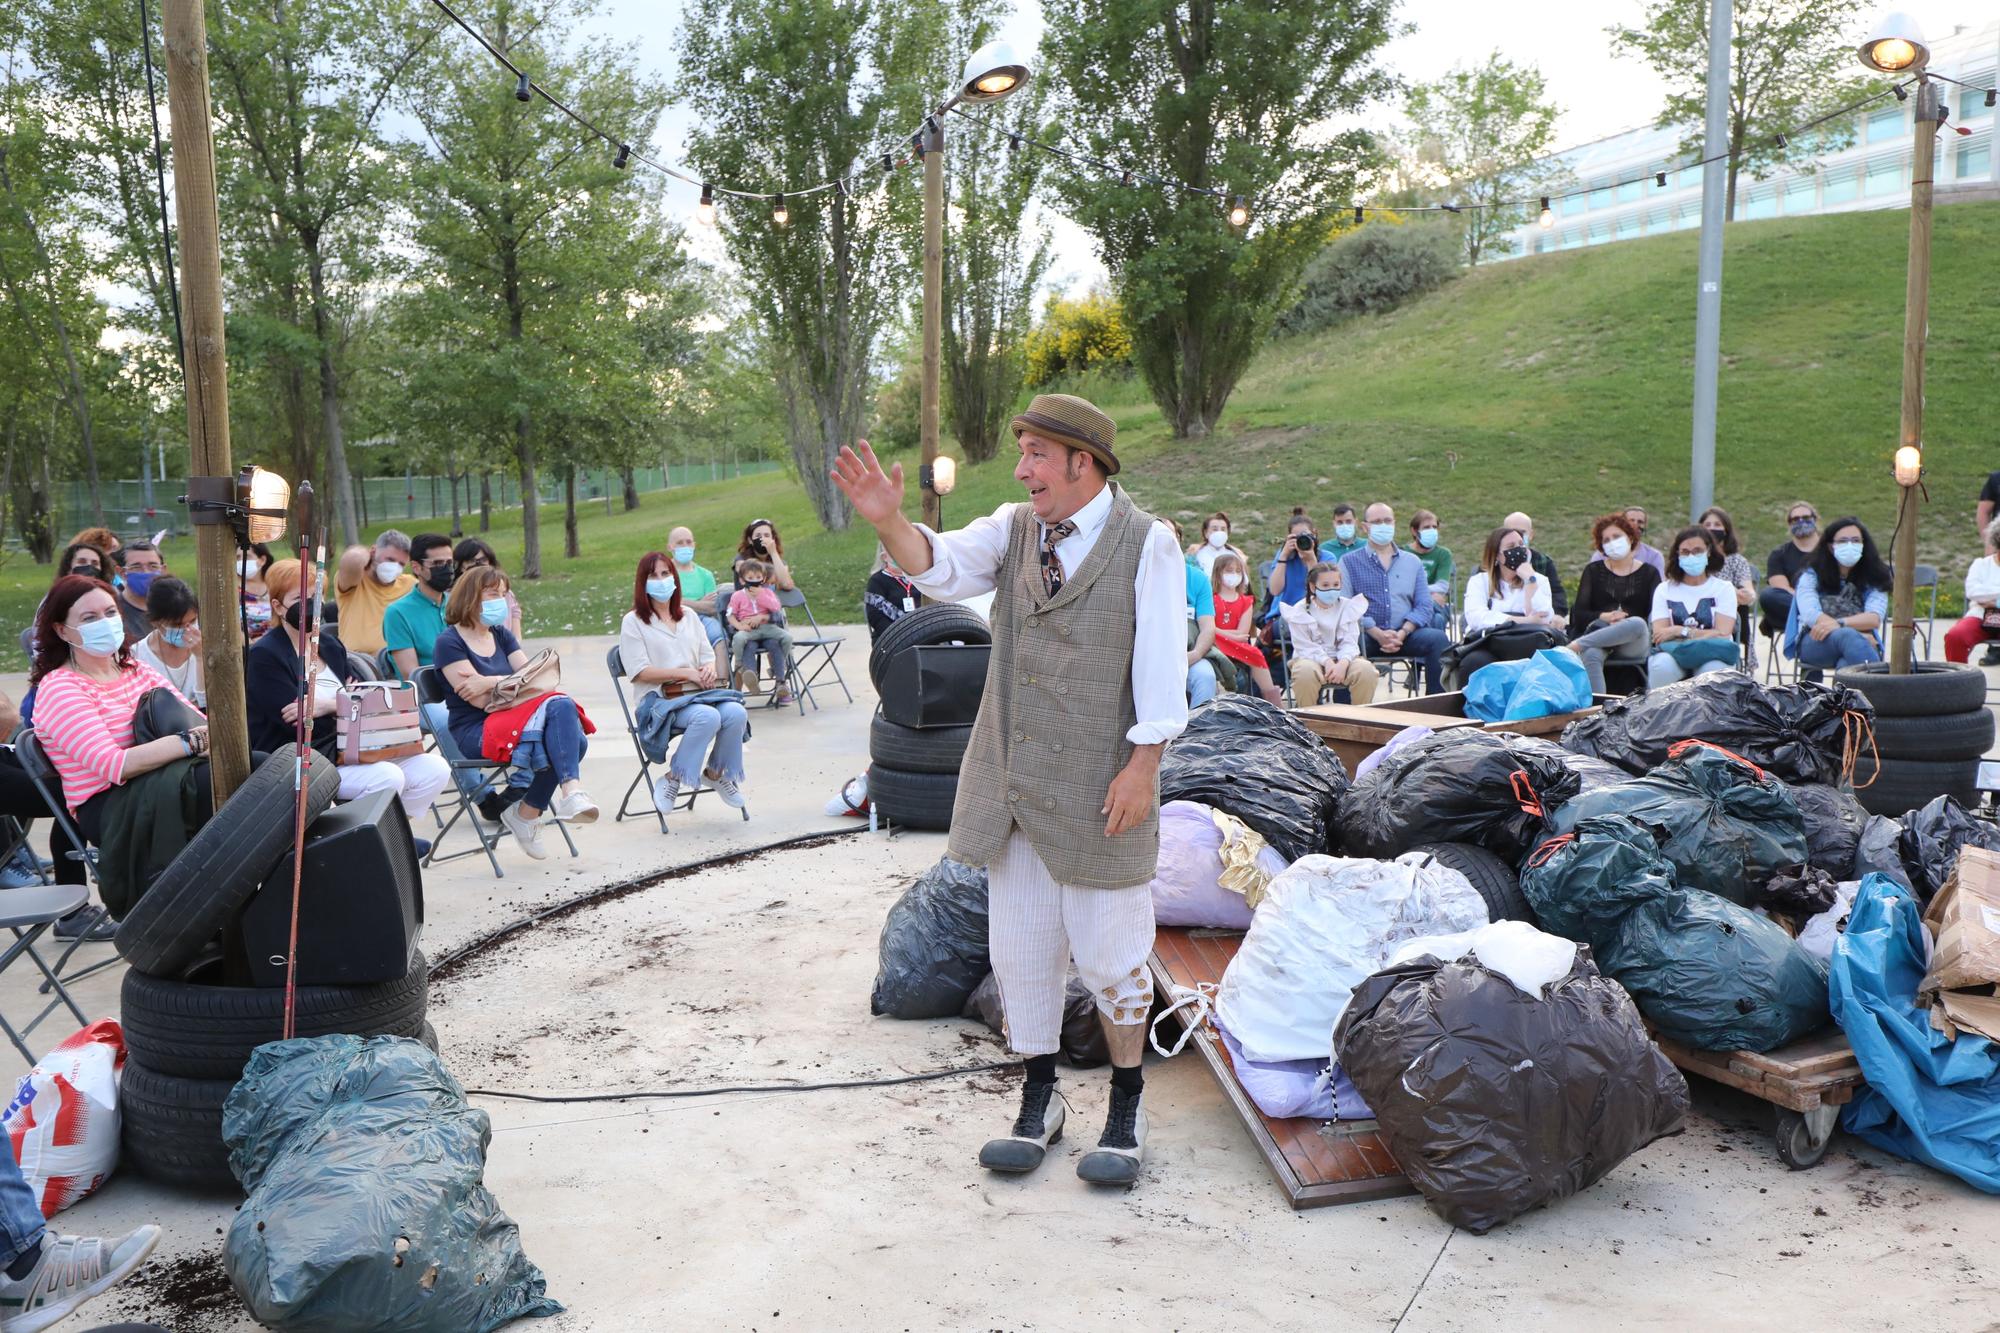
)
(377, 721)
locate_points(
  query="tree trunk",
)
(570, 548)
(38, 529)
(631, 488)
(531, 514)
(329, 397)
(292, 395)
(485, 500)
(451, 481)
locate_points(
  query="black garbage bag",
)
(1259, 763)
(1591, 772)
(1724, 825)
(1931, 839)
(1704, 971)
(933, 949)
(1880, 850)
(1798, 732)
(1495, 1101)
(1083, 1042)
(1834, 821)
(1462, 785)
(368, 1207)
(1799, 892)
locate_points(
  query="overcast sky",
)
(1598, 93)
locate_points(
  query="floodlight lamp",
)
(944, 474)
(265, 499)
(1909, 465)
(991, 73)
(1896, 46)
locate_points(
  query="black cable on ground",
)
(662, 1095)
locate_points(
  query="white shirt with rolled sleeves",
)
(966, 563)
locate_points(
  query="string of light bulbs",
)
(889, 157)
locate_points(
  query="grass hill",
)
(1559, 384)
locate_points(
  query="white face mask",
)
(1232, 580)
(1218, 539)
(388, 571)
(247, 567)
(1616, 548)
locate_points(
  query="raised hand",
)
(876, 495)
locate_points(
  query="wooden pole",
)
(933, 306)
(203, 354)
(1916, 325)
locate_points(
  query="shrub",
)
(1076, 336)
(1369, 271)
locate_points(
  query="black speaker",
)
(937, 685)
(361, 901)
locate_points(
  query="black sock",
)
(1132, 1079)
(25, 1263)
(1041, 1068)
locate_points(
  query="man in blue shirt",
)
(1398, 623)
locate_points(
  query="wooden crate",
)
(1316, 1163)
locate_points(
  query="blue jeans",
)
(1662, 669)
(1426, 645)
(563, 742)
(20, 1216)
(713, 627)
(1200, 683)
(1843, 648)
(714, 731)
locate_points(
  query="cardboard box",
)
(1965, 921)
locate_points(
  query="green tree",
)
(1789, 64)
(1225, 95)
(812, 90)
(1481, 133)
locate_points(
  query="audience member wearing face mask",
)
(367, 580)
(1842, 601)
(1326, 641)
(1614, 601)
(1235, 623)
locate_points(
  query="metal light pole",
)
(1708, 295)
(991, 73)
(1897, 47)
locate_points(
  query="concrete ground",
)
(863, 1209)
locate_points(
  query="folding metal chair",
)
(472, 777)
(615, 663)
(35, 763)
(29, 912)
(818, 647)
(385, 665)
(1922, 577)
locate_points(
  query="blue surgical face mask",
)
(1327, 596)
(1847, 553)
(1427, 538)
(1344, 531)
(684, 555)
(102, 637)
(140, 581)
(493, 611)
(660, 590)
(175, 637)
(1382, 533)
(1694, 566)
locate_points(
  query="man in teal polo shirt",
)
(698, 595)
(412, 623)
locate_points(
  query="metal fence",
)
(135, 508)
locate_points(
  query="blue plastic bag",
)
(1552, 681)
(1929, 1098)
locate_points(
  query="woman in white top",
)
(1508, 607)
(1982, 595)
(1694, 613)
(174, 647)
(1214, 542)
(674, 687)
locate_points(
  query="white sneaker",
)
(730, 791)
(666, 791)
(71, 1271)
(576, 808)
(526, 832)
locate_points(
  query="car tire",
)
(1492, 877)
(1931, 688)
(913, 800)
(189, 1030)
(1939, 737)
(917, 749)
(171, 1129)
(940, 622)
(186, 907)
(1898, 786)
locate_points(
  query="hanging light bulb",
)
(1660, 178)
(1548, 217)
(624, 156)
(704, 212)
(522, 92)
(1014, 140)
(1239, 213)
(888, 162)
(1357, 215)
(1784, 142)
(781, 215)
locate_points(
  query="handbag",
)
(1990, 622)
(376, 721)
(538, 675)
(161, 712)
(1691, 653)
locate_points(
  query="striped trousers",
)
(1035, 926)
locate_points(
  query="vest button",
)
(1058, 747)
(1062, 689)
(1013, 796)
(1048, 803)
(1064, 631)
(1020, 737)
(1034, 623)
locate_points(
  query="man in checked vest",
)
(1059, 795)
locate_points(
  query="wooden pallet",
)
(1819, 1071)
(1317, 1163)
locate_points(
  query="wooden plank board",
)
(1820, 1071)
(1317, 1164)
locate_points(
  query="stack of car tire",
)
(913, 771)
(187, 1037)
(1932, 727)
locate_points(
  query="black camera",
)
(1307, 542)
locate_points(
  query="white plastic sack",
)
(1186, 891)
(1529, 958)
(1324, 925)
(1818, 934)
(63, 1121)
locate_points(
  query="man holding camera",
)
(1059, 793)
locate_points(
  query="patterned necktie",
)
(1052, 574)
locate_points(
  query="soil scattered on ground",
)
(190, 1294)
